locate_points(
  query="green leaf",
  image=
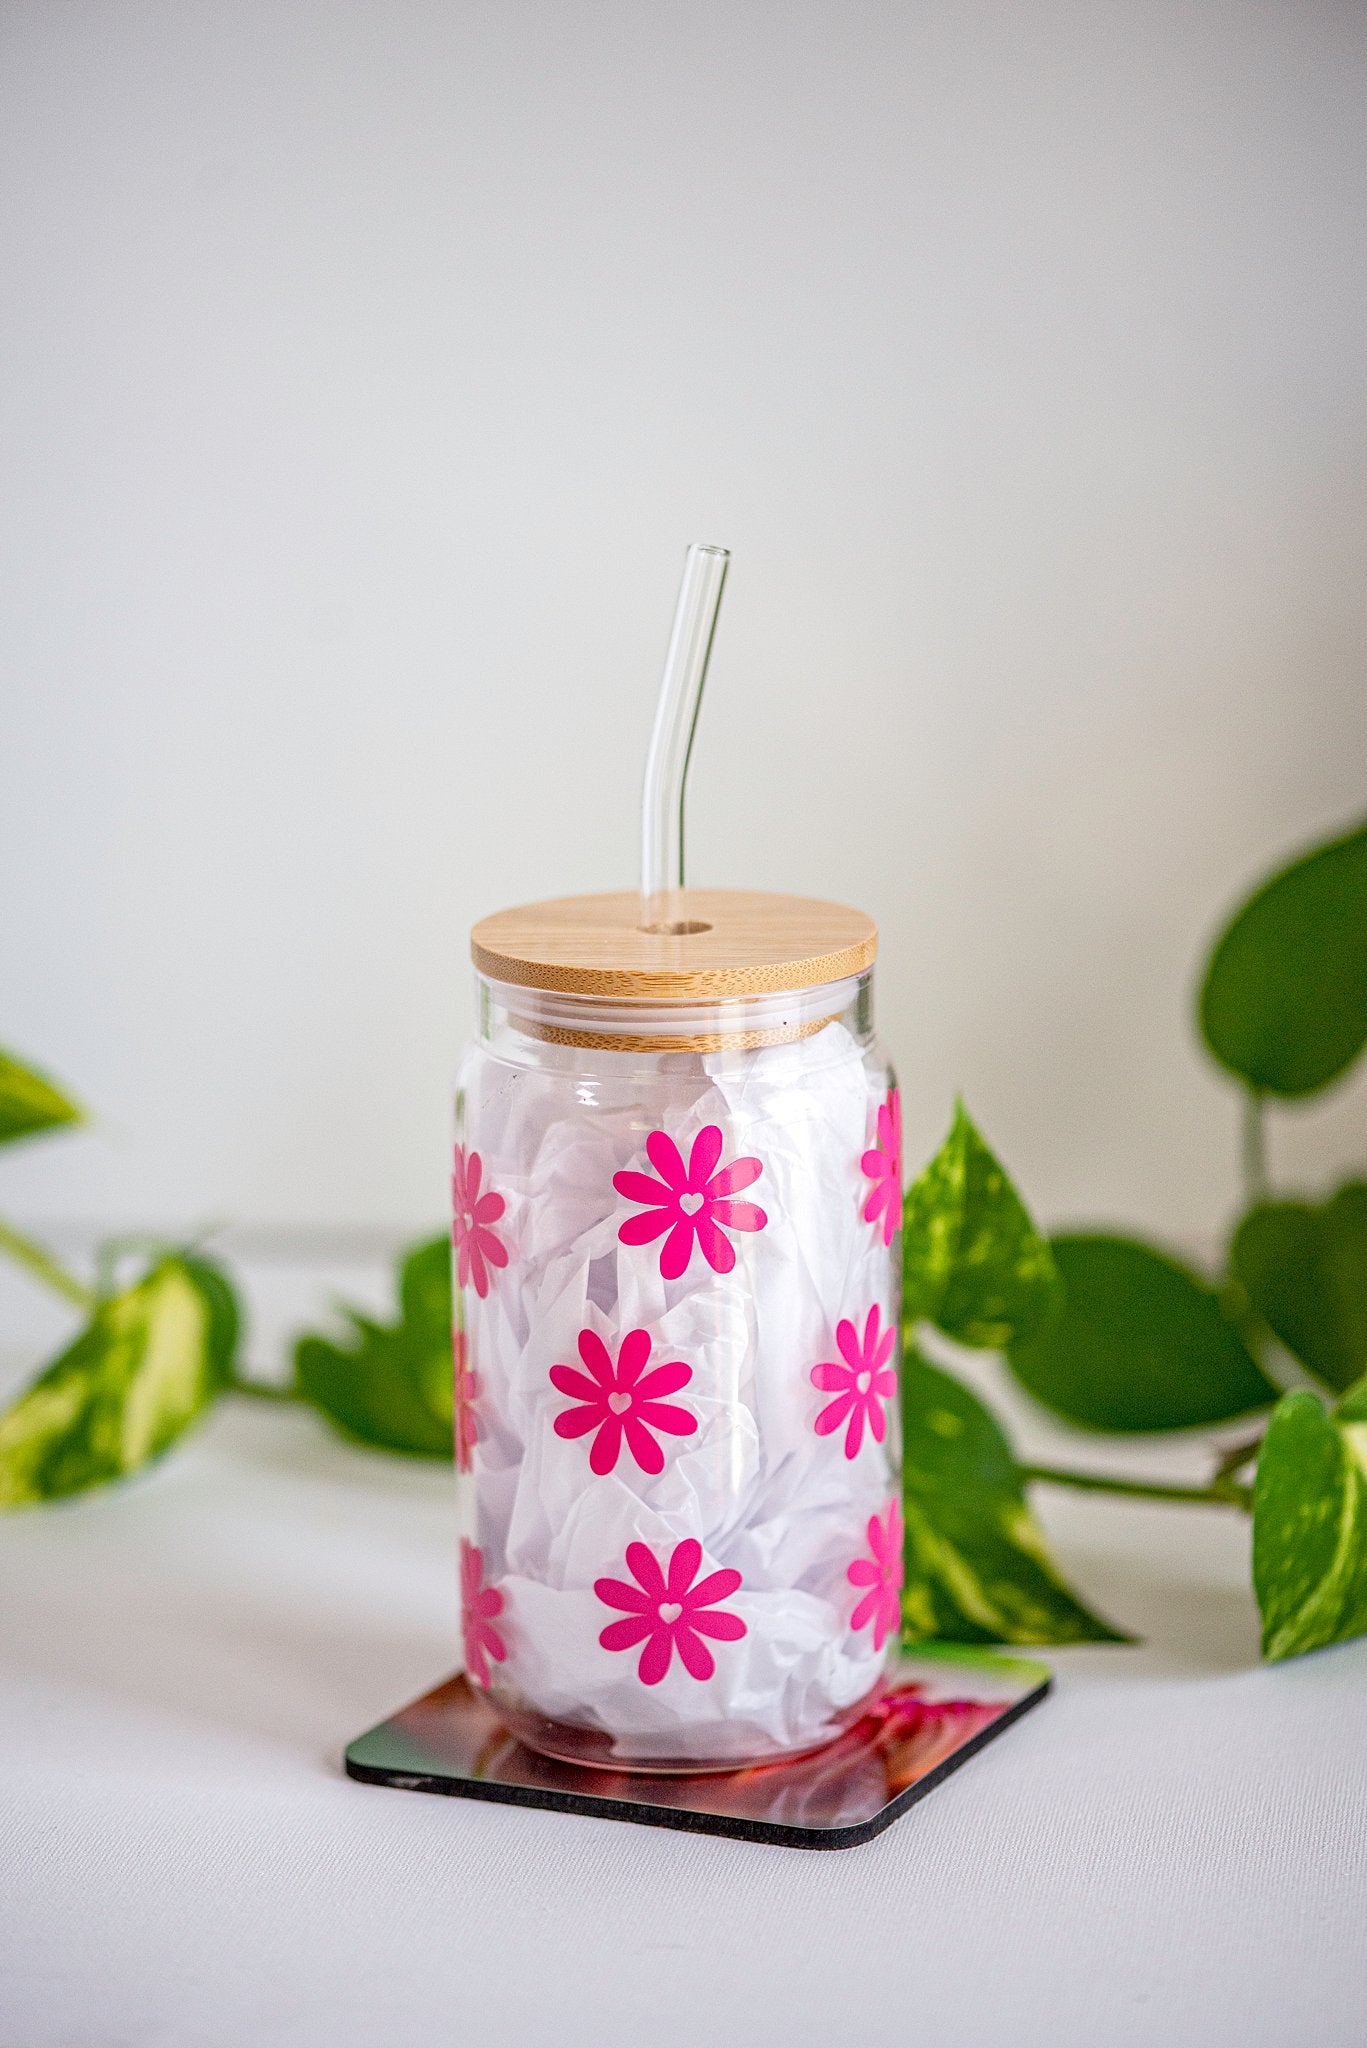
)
(391, 1385)
(29, 1102)
(425, 1290)
(978, 1567)
(1284, 1002)
(1310, 1524)
(225, 1315)
(1138, 1343)
(1304, 1269)
(973, 1262)
(148, 1363)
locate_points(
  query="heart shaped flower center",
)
(670, 1610)
(690, 1204)
(619, 1403)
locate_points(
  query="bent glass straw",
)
(671, 740)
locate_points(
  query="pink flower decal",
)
(478, 1606)
(883, 1165)
(861, 1385)
(466, 1394)
(692, 1203)
(477, 1245)
(669, 1614)
(622, 1400)
(882, 1574)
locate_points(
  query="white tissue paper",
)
(752, 1482)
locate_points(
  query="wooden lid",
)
(743, 944)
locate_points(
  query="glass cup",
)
(676, 1237)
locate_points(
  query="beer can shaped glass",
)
(677, 1213)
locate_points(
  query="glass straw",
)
(671, 740)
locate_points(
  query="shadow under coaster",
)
(935, 1711)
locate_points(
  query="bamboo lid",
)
(737, 943)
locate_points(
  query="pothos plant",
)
(1113, 1334)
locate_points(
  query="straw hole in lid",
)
(679, 930)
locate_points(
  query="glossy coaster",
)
(935, 1711)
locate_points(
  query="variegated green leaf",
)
(978, 1567)
(149, 1362)
(29, 1102)
(974, 1264)
(1310, 1524)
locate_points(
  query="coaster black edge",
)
(734, 1827)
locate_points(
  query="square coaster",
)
(935, 1711)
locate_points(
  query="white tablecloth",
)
(1171, 1849)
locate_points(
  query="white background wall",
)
(367, 369)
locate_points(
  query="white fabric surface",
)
(1172, 1849)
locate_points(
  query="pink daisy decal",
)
(669, 1614)
(883, 1165)
(861, 1384)
(693, 1203)
(477, 1244)
(882, 1573)
(622, 1400)
(466, 1394)
(478, 1606)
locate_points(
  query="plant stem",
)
(1221, 1492)
(1237, 1456)
(261, 1390)
(1253, 1148)
(40, 1262)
